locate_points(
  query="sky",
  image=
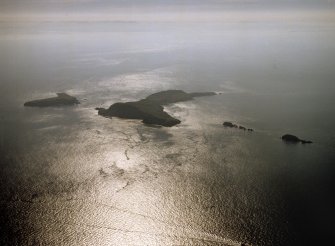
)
(163, 10)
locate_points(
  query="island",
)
(150, 110)
(62, 99)
(294, 139)
(229, 124)
(232, 125)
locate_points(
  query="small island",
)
(62, 99)
(150, 110)
(294, 139)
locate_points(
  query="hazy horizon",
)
(147, 10)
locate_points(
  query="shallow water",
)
(71, 177)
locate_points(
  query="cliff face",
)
(61, 100)
(150, 109)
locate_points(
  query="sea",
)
(71, 177)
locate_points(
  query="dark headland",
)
(150, 110)
(62, 99)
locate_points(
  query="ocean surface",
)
(71, 177)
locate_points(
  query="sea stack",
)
(232, 125)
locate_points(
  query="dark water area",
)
(71, 177)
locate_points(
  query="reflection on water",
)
(72, 177)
